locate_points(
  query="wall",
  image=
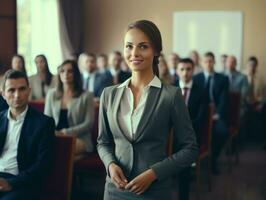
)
(106, 20)
(8, 34)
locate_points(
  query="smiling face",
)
(138, 51)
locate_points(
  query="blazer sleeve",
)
(43, 162)
(184, 141)
(48, 103)
(105, 139)
(86, 126)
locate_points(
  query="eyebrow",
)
(138, 43)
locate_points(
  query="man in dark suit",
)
(173, 60)
(193, 94)
(119, 76)
(217, 92)
(93, 80)
(26, 142)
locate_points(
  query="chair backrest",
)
(95, 125)
(58, 182)
(38, 105)
(234, 109)
(207, 132)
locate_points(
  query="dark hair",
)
(209, 54)
(14, 74)
(154, 35)
(224, 55)
(22, 60)
(186, 61)
(48, 74)
(253, 59)
(91, 55)
(118, 53)
(77, 83)
(102, 55)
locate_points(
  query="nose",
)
(135, 52)
(16, 94)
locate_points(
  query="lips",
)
(136, 62)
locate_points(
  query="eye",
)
(143, 46)
(128, 46)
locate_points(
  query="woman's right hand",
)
(117, 176)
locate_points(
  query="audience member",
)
(164, 74)
(71, 107)
(26, 142)
(41, 82)
(194, 56)
(18, 63)
(173, 60)
(194, 97)
(94, 81)
(118, 75)
(216, 88)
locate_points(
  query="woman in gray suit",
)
(71, 107)
(42, 81)
(135, 122)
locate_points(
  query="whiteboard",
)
(218, 31)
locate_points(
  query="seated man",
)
(197, 106)
(217, 92)
(93, 80)
(26, 142)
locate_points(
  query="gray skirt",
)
(113, 193)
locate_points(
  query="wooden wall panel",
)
(8, 32)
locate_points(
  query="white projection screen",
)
(218, 31)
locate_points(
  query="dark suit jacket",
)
(35, 148)
(101, 81)
(220, 93)
(122, 76)
(3, 104)
(197, 107)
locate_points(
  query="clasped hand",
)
(4, 186)
(138, 185)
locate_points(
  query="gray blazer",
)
(36, 86)
(80, 115)
(239, 83)
(165, 109)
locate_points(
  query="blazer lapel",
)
(152, 99)
(3, 131)
(117, 100)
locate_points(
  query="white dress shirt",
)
(184, 85)
(114, 72)
(128, 118)
(8, 159)
(90, 83)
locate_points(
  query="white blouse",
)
(128, 118)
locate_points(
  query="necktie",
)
(209, 88)
(86, 83)
(185, 89)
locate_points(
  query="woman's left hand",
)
(140, 183)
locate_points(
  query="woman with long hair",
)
(42, 81)
(71, 107)
(135, 122)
